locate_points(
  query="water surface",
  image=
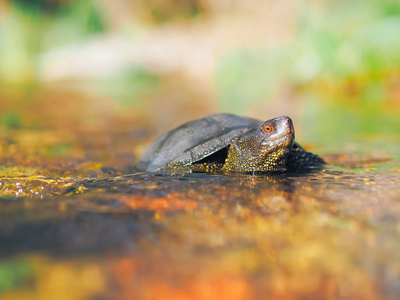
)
(329, 234)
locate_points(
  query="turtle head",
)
(263, 149)
(275, 134)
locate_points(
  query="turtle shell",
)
(194, 141)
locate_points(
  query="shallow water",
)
(330, 234)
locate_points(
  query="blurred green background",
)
(333, 66)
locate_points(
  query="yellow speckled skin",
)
(264, 161)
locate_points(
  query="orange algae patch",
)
(134, 282)
(170, 202)
(216, 287)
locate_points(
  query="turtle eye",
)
(268, 128)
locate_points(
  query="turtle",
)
(229, 143)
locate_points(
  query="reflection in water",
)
(196, 236)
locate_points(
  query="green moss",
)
(13, 274)
(10, 120)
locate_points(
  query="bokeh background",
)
(333, 66)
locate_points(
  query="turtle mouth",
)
(285, 140)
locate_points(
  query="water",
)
(329, 234)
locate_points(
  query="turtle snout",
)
(285, 125)
(289, 124)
